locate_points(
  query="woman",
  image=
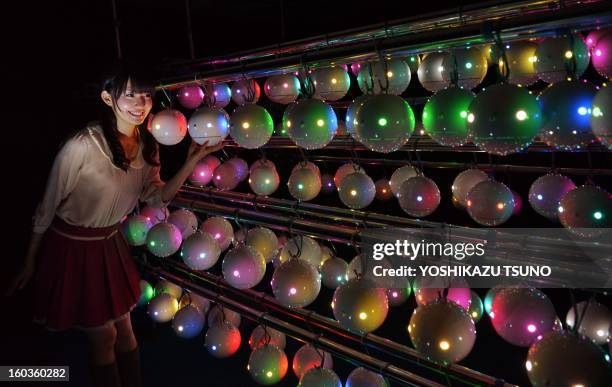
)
(85, 277)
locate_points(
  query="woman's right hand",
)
(21, 278)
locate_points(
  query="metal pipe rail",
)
(216, 289)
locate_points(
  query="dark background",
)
(57, 53)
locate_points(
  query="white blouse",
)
(86, 189)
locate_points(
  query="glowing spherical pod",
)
(251, 126)
(476, 308)
(302, 247)
(162, 307)
(190, 97)
(334, 272)
(245, 91)
(220, 94)
(135, 229)
(504, 127)
(188, 322)
(346, 169)
(307, 164)
(155, 215)
(566, 113)
(331, 83)
(241, 168)
(200, 251)
(351, 113)
(222, 340)
(546, 192)
(209, 125)
(419, 196)
(304, 184)
(442, 331)
(243, 267)
(263, 335)
(602, 55)
(521, 58)
(225, 177)
(268, 364)
(296, 283)
(565, 359)
(320, 377)
(264, 241)
(586, 211)
(165, 286)
(593, 37)
(384, 123)
(363, 377)
(169, 127)
(201, 174)
(310, 123)
(220, 229)
(219, 314)
(470, 64)
(357, 190)
(555, 55)
(428, 289)
(164, 239)
(430, 71)
(146, 292)
(464, 182)
(595, 322)
(383, 189)
(521, 315)
(282, 89)
(309, 357)
(327, 183)
(264, 180)
(360, 306)
(392, 75)
(600, 116)
(400, 175)
(185, 220)
(445, 116)
(490, 203)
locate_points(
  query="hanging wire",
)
(570, 63)
(503, 71)
(383, 62)
(168, 98)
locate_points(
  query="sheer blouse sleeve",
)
(153, 186)
(61, 181)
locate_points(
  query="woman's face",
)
(131, 108)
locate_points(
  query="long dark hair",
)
(115, 84)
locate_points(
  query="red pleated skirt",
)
(85, 277)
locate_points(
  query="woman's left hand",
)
(197, 152)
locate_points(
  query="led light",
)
(382, 121)
(597, 215)
(320, 122)
(236, 273)
(531, 328)
(470, 118)
(245, 125)
(389, 74)
(521, 115)
(568, 54)
(468, 65)
(419, 198)
(353, 192)
(560, 209)
(292, 291)
(500, 206)
(582, 110)
(528, 365)
(363, 315)
(463, 114)
(444, 345)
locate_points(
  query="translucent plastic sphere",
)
(490, 203)
(304, 184)
(282, 89)
(264, 241)
(594, 36)
(351, 113)
(220, 93)
(395, 71)
(251, 126)
(304, 248)
(135, 229)
(360, 306)
(245, 91)
(521, 58)
(146, 292)
(185, 220)
(586, 211)
(169, 127)
(363, 377)
(220, 229)
(327, 184)
(190, 97)
(201, 174)
(564, 359)
(310, 123)
(155, 215)
(162, 307)
(268, 365)
(192, 299)
(164, 239)
(241, 168)
(308, 165)
(430, 71)
(188, 322)
(596, 321)
(400, 175)
(334, 272)
(331, 83)
(320, 377)
(476, 308)
(264, 180)
(383, 190)
(309, 357)
(566, 108)
(346, 169)
(165, 286)
(428, 289)
(602, 55)
(506, 127)
(384, 123)
(442, 331)
(520, 315)
(471, 67)
(219, 314)
(357, 190)
(243, 267)
(209, 125)
(445, 116)
(419, 196)
(398, 296)
(464, 182)
(265, 335)
(554, 54)
(296, 283)
(600, 116)
(225, 177)
(200, 251)
(546, 192)
(222, 340)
